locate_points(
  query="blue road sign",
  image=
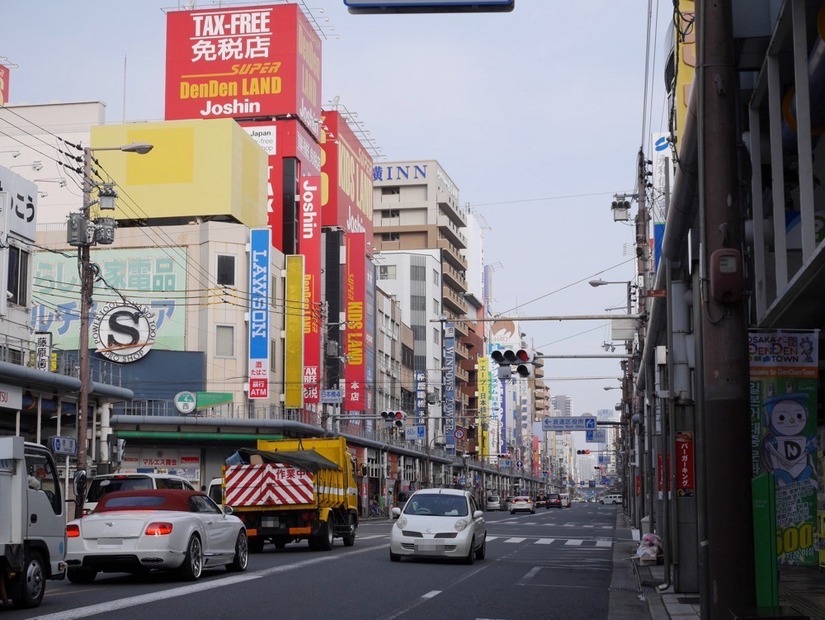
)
(573, 423)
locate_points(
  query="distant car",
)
(553, 501)
(565, 500)
(541, 501)
(107, 483)
(522, 503)
(439, 523)
(611, 498)
(137, 531)
(508, 502)
(493, 502)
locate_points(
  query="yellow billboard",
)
(199, 168)
(294, 332)
(685, 44)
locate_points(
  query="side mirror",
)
(79, 486)
(478, 514)
(396, 512)
(228, 510)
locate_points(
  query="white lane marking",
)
(489, 538)
(604, 543)
(545, 541)
(133, 601)
(372, 536)
(574, 542)
(530, 574)
(431, 594)
(514, 540)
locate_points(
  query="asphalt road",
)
(556, 563)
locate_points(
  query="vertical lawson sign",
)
(259, 245)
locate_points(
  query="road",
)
(554, 564)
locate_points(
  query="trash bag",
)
(650, 546)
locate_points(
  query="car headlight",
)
(401, 522)
(460, 525)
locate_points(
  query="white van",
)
(611, 498)
(106, 483)
(565, 500)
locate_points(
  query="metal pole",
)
(86, 291)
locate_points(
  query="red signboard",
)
(638, 486)
(685, 470)
(355, 371)
(4, 85)
(243, 62)
(309, 244)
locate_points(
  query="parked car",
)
(553, 501)
(104, 484)
(522, 503)
(493, 502)
(611, 498)
(565, 500)
(439, 523)
(508, 502)
(137, 531)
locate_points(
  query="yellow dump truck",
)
(294, 489)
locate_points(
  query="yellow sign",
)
(294, 318)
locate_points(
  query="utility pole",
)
(726, 556)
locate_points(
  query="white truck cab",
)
(32, 521)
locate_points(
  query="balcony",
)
(453, 277)
(451, 254)
(452, 232)
(453, 300)
(462, 351)
(447, 206)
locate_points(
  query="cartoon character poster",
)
(784, 375)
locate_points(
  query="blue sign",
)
(581, 423)
(421, 432)
(64, 446)
(332, 396)
(448, 410)
(259, 244)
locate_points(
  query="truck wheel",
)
(81, 575)
(192, 566)
(256, 544)
(325, 536)
(349, 537)
(241, 559)
(32, 582)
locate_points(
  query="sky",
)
(536, 115)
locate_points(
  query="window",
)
(18, 286)
(390, 237)
(226, 270)
(390, 214)
(390, 191)
(386, 272)
(224, 341)
(273, 355)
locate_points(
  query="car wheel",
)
(241, 559)
(394, 557)
(33, 584)
(323, 540)
(512, 512)
(471, 556)
(192, 566)
(81, 575)
(349, 537)
(481, 552)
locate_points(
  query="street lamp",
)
(629, 283)
(82, 234)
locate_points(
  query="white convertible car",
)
(138, 531)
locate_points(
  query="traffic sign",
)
(459, 433)
(332, 396)
(573, 423)
(421, 432)
(64, 445)
(598, 435)
(186, 402)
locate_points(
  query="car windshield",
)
(103, 486)
(437, 505)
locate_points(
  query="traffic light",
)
(400, 416)
(582, 451)
(509, 357)
(388, 417)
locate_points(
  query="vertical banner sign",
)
(43, 350)
(483, 430)
(685, 465)
(309, 245)
(294, 316)
(4, 85)
(259, 279)
(783, 393)
(420, 397)
(355, 295)
(449, 386)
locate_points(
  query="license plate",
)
(430, 546)
(270, 522)
(109, 542)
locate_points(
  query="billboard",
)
(309, 245)
(4, 85)
(153, 277)
(196, 169)
(243, 62)
(259, 277)
(355, 347)
(294, 316)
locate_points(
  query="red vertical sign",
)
(309, 244)
(355, 295)
(685, 476)
(4, 85)
(638, 486)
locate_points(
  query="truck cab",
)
(32, 521)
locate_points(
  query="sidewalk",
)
(801, 589)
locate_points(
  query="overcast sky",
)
(536, 115)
